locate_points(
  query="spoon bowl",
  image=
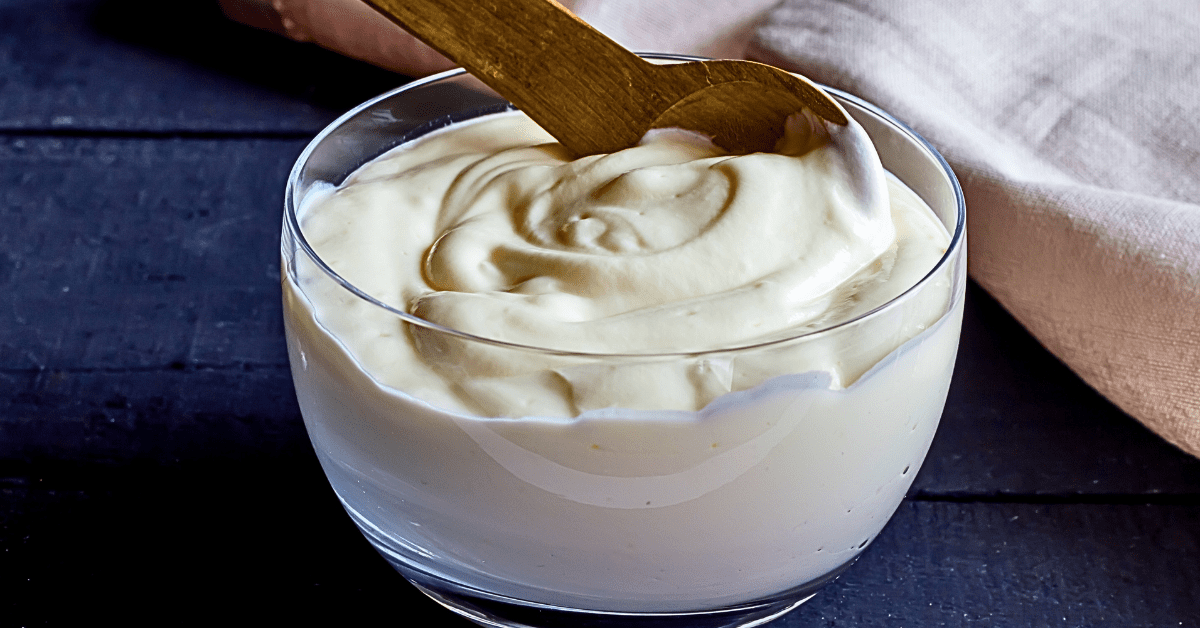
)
(593, 95)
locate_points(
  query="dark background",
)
(153, 465)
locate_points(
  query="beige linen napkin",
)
(1074, 127)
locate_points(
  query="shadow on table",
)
(210, 538)
(195, 31)
(1019, 422)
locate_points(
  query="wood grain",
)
(146, 66)
(593, 95)
(264, 536)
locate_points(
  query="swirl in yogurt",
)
(672, 246)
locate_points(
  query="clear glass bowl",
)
(729, 516)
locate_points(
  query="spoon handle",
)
(547, 62)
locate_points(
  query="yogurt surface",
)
(490, 228)
(685, 443)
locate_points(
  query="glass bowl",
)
(727, 516)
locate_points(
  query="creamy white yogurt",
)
(669, 481)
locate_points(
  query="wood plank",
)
(56, 423)
(215, 535)
(61, 423)
(141, 253)
(951, 564)
(125, 260)
(141, 65)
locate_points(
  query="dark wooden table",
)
(152, 460)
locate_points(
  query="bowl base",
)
(487, 609)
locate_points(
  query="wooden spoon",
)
(593, 95)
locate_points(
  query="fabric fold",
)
(1074, 128)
